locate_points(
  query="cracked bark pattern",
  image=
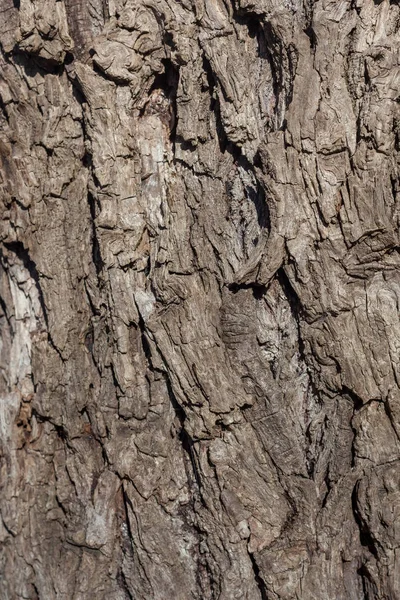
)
(199, 297)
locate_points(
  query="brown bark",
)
(199, 298)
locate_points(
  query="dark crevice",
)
(309, 31)
(215, 107)
(116, 383)
(329, 488)
(95, 552)
(94, 433)
(89, 339)
(195, 491)
(34, 65)
(87, 162)
(254, 194)
(294, 303)
(353, 447)
(22, 253)
(104, 456)
(355, 7)
(96, 253)
(79, 96)
(95, 310)
(145, 345)
(367, 79)
(143, 337)
(101, 72)
(185, 439)
(259, 290)
(297, 312)
(370, 590)
(394, 187)
(3, 308)
(130, 546)
(186, 145)
(168, 39)
(357, 401)
(167, 81)
(391, 417)
(258, 579)
(272, 49)
(60, 505)
(280, 60)
(124, 584)
(36, 590)
(310, 459)
(69, 58)
(254, 24)
(293, 59)
(3, 109)
(187, 445)
(366, 538)
(127, 503)
(59, 429)
(308, 9)
(195, 487)
(9, 531)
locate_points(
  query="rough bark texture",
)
(199, 295)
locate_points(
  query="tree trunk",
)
(199, 300)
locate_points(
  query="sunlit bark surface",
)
(199, 300)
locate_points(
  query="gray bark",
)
(199, 300)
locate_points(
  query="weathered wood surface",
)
(199, 295)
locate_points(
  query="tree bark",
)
(199, 300)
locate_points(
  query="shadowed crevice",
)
(258, 578)
(96, 252)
